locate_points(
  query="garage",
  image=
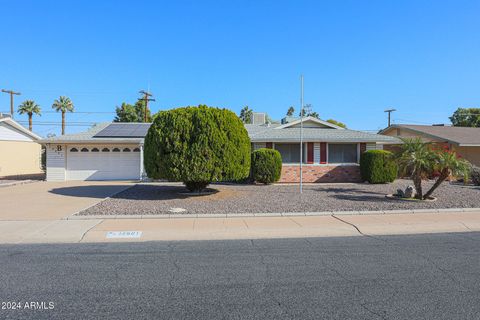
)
(107, 151)
(103, 163)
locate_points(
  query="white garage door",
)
(103, 163)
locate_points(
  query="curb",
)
(266, 214)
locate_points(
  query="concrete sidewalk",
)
(95, 230)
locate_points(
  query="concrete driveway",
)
(54, 200)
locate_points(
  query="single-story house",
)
(465, 141)
(20, 150)
(330, 153)
(114, 151)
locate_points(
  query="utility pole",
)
(146, 98)
(11, 93)
(389, 112)
(301, 133)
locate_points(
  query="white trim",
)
(21, 128)
(325, 123)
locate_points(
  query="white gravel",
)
(161, 198)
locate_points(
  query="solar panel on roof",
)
(124, 130)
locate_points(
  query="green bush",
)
(197, 145)
(266, 165)
(378, 166)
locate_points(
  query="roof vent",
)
(259, 118)
(438, 125)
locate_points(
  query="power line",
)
(11, 93)
(146, 98)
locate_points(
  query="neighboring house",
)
(465, 141)
(114, 151)
(330, 153)
(107, 151)
(20, 152)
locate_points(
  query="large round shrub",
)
(266, 165)
(197, 145)
(378, 166)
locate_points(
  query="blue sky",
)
(358, 57)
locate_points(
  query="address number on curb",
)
(123, 234)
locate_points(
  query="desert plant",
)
(475, 175)
(378, 166)
(420, 159)
(448, 163)
(417, 160)
(197, 145)
(266, 165)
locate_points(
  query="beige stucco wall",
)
(472, 154)
(19, 158)
(397, 132)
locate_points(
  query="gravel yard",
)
(167, 198)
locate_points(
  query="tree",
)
(63, 105)
(420, 160)
(291, 111)
(246, 115)
(416, 160)
(197, 145)
(448, 163)
(337, 123)
(314, 114)
(466, 117)
(128, 113)
(29, 107)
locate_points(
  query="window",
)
(342, 153)
(116, 150)
(95, 150)
(136, 150)
(126, 150)
(74, 150)
(290, 152)
(84, 150)
(105, 150)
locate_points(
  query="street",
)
(433, 276)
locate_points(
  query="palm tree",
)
(417, 160)
(290, 111)
(448, 163)
(29, 107)
(63, 104)
(246, 114)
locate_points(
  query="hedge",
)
(266, 165)
(197, 145)
(378, 166)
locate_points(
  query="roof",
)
(272, 133)
(124, 130)
(135, 133)
(91, 135)
(462, 136)
(8, 120)
(310, 119)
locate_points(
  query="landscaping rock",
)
(400, 193)
(410, 192)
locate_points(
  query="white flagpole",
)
(301, 133)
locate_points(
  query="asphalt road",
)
(396, 277)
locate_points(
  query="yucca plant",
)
(30, 108)
(63, 104)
